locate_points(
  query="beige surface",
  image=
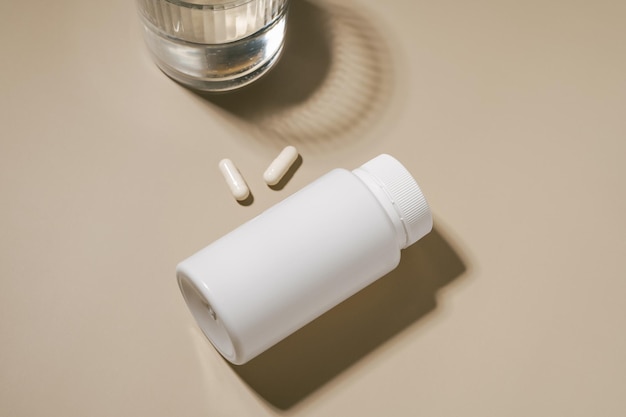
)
(512, 115)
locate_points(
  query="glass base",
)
(217, 67)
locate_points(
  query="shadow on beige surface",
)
(333, 78)
(311, 357)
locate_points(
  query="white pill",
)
(235, 181)
(279, 166)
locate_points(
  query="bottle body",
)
(253, 287)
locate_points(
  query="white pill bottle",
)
(269, 277)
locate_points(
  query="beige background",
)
(512, 116)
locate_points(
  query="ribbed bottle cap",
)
(405, 195)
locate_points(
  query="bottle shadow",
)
(332, 79)
(308, 359)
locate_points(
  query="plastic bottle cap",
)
(404, 193)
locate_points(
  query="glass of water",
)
(214, 45)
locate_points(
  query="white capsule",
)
(235, 181)
(279, 166)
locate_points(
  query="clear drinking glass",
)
(214, 45)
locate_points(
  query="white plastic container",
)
(266, 279)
